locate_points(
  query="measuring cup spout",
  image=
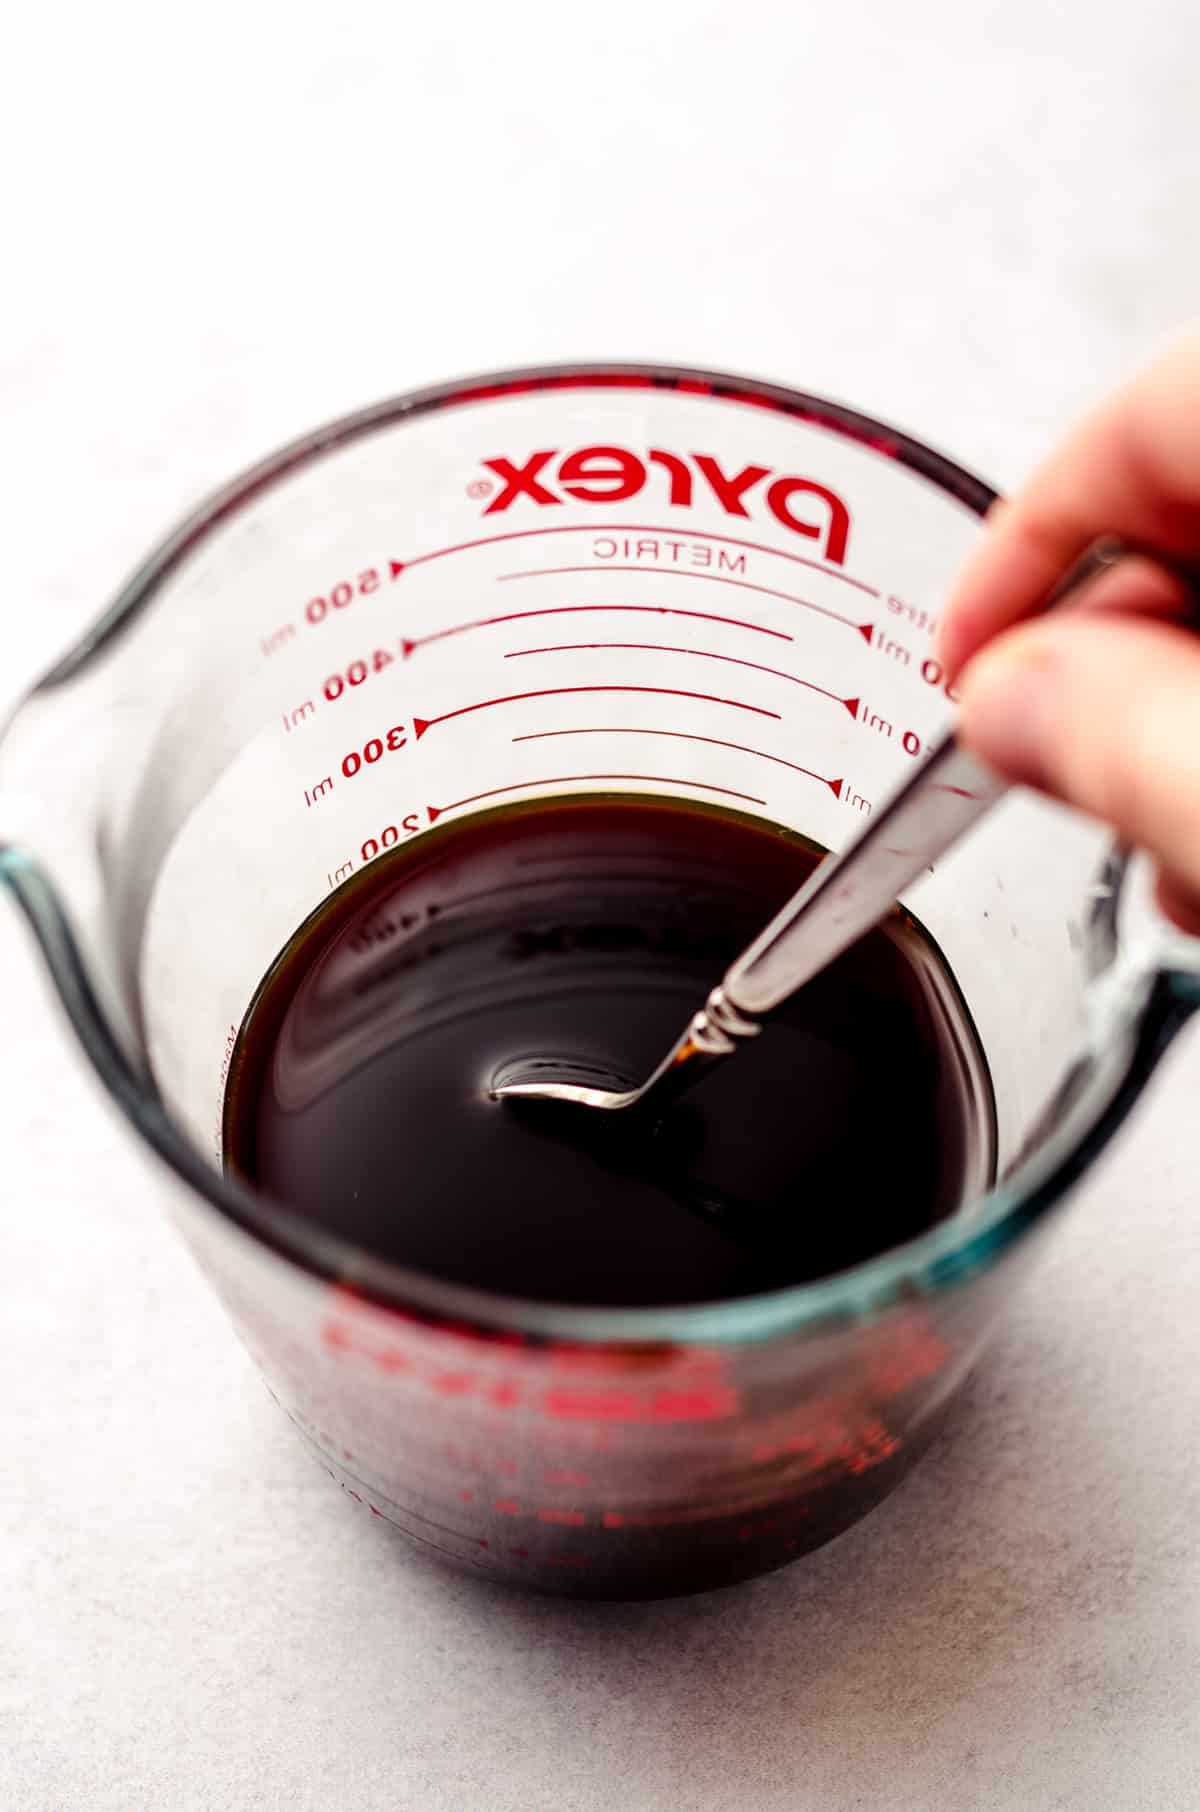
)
(55, 853)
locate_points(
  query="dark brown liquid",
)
(591, 930)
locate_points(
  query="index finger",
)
(1130, 469)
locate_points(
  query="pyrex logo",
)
(614, 474)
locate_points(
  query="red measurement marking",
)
(520, 1553)
(835, 786)
(706, 654)
(518, 786)
(411, 644)
(662, 1519)
(342, 1338)
(574, 1519)
(467, 1496)
(633, 528)
(939, 786)
(453, 1384)
(507, 1506)
(919, 1354)
(865, 630)
(569, 1355)
(627, 1406)
(422, 724)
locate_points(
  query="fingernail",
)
(1008, 709)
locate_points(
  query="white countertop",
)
(965, 219)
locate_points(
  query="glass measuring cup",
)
(616, 581)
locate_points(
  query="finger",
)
(1180, 902)
(1130, 469)
(1101, 713)
(1137, 587)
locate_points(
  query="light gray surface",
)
(967, 218)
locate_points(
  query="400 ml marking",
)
(339, 685)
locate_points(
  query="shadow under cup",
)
(625, 582)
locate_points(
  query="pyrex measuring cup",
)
(614, 581)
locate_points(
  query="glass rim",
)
(947, 1253)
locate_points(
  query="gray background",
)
(225, 223)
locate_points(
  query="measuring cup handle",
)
(1173, 997)
(1125, 1057)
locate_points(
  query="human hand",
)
(1099, 703)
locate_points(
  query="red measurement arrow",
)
(411, 644)
(835, 786)
(706, 654)
(421, 724)
(520, 786)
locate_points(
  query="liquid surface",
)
(358, 1093)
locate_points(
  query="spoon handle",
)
(850, 892)
(843, 898)
(949, 792)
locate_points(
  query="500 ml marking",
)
(317, 609)
(342, 594)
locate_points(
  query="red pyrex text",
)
(613, 474)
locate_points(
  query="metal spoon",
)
(842, 899)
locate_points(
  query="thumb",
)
(1103, 713)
